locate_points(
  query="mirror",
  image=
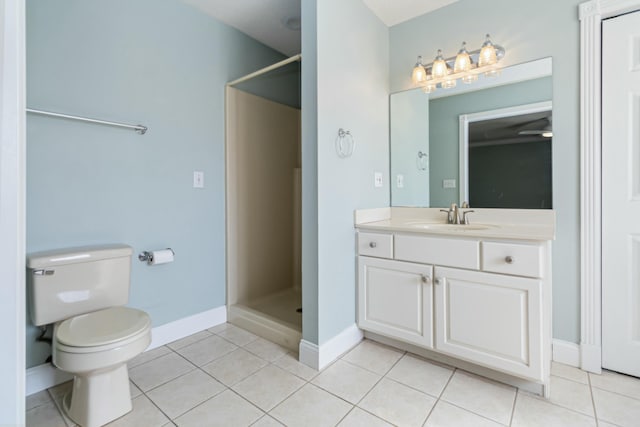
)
(481, 143)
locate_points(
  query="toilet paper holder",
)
(148, 256)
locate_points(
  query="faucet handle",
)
(465, 218)
(449, 213)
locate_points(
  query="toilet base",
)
(100, 397)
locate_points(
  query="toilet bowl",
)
(95, 347)
(82, 292)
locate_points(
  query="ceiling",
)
(273, 22)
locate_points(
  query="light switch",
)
(198, 179)
(400, 180)
(377, 179)
(448, 183)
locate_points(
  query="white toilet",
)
(82, 291)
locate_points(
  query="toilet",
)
(82, 292)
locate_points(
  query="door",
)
(396, 299)
(621, 194)
(491, 319)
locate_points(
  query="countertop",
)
(516, 224)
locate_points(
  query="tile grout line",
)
(593, 400)
(440, 395)
(513, 407)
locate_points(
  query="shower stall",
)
(263, 203)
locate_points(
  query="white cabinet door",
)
(621, 194)
(490, 319)
(396, 299)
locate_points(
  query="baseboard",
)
(44, 376)
(566, 352)
(591, 358)
(169, 332)
(319, 357)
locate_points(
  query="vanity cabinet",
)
(396, 299)
(491, 319)
(480, 300)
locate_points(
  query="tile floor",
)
(226, 376)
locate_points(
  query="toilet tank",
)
(68, 282)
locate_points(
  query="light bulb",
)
(547, 134)
(439, 69)
(463, 60)
(419, 74)
(488, 55)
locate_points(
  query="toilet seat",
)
(101, 330)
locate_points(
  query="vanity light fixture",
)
(465, 66)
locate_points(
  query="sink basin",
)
(449, 227)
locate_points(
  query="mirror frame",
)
(465, 119)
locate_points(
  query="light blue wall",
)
(528, 31)
(352, 93)
(409, 134)
(445, 127)
(156, 62)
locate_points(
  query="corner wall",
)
(353, 94)
(161, 63)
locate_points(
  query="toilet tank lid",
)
(77, 255)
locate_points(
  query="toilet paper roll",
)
(162, 256)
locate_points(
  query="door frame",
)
(591, 14)
(12, 210)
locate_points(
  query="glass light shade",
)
(429, 87)
(488, 54)
(448, 83)
(463, 60)
(419, 74)
(439, 69)
(469, 78)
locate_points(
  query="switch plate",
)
(400, 180)
(198, 179)
(448, 183)
(377, 179)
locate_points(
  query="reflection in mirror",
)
(428, 127)
(505, 157)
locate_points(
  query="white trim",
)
(12, 211)
(591, 15)
(169, 332)
(566, 352)
(465, 119)
(44, 376)
(319, 357)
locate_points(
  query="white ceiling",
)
(397, 11)
(264, 20)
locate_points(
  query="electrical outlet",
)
(377, 179)
(448, 183)
(400, 181)
(198, 179)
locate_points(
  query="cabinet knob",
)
(373, 244)
(426, 279)
(509, 259)
(437, 281)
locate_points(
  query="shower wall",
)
(263, 154)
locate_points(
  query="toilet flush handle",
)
(43, 272)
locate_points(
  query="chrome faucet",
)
(454, 214)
